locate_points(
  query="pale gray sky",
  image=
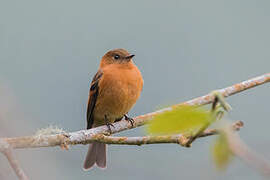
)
(49, 51)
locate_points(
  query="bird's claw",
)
(131, 120)
(109, 126)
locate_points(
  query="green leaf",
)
(221, 153)
(183, 119)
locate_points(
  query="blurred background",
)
(50, 50)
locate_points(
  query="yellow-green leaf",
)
(180, 120)
(221, 152)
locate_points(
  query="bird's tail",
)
(96, 154)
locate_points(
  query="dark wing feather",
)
(93, 95)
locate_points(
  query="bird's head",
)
(117, 56)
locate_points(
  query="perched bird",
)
(114, 90)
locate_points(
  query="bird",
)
(114, 90)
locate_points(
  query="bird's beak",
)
(129, 57)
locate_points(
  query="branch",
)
(88, 136)
(248, 155)
(178, 138)
(7, 151)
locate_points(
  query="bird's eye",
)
(116, 56)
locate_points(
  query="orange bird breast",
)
(120, 87)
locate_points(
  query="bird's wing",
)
(93, 95)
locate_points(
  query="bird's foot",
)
(109, 126)
(131, 120)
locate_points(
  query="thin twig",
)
(241, 150)
(235, 127)
(217, 114)
(87, 136)
(177, 138)
(7, 151)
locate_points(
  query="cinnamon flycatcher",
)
(114, 90)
